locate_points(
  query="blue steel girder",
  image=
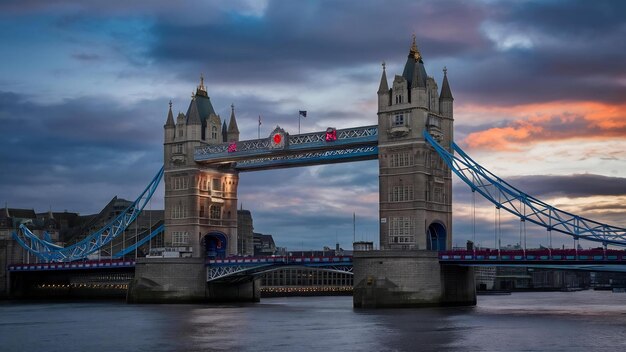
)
(50, 252)
(527, 208)
(351, 144)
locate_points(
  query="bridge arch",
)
(215, 244)
(436, 236)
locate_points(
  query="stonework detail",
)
(415, 185)
(198, 199)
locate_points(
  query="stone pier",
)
(401, 278)
(183, 280)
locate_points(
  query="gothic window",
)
(398, 120)
(180, 132)
(400, 160)
(201, 212)
(178, 148)
(216, 185)
(180, 182)
(215, 212)
(179, 211)
(180, 238)
(213, 132)
(401, 193)
(402, 229)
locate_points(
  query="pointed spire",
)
(414, 52)
(232, 124)
(446, 93)
(224, 132)
(170, 117)
(194, 115)
(6, 209)
(383, 88)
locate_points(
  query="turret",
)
(445, 98)
(233, 130)
(169, 127)
(194, 124)
(181, 128)
(383, 90)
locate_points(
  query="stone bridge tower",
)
(415, 184)
(200, 202)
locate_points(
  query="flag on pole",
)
(303, 113)
(259, 120)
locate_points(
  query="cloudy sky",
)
(539, 87)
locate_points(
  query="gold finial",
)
(414, 51)
(193, 95)
(445, 70)
(170, 105)
(414, 46)
(232, 107)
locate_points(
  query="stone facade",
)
(198, 200)
(415, 185)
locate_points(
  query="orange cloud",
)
(533, 123)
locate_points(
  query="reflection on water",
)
(559, 321)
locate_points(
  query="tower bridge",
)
(414, 144)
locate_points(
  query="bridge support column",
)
(401, 278)
(168, 280)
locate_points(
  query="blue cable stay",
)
(522, 205)
(140, 242)
(49, 252)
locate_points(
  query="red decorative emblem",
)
(277, 138)
(331, 134)
(232, 147)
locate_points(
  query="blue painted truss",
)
(49, 252)
(325, 147)
(522, 205)
(234, 269)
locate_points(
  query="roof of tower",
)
(170, 117)
(202, 103)
(446, 93)
(193, 116)
(224, 132)
(383, 87)
(232, 124)
(414, 71)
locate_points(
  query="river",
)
(552, 321)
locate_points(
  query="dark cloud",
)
(56, 154)
(577, 185)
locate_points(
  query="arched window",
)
(213, 132)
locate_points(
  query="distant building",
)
(245, 231)
(264, 245)
(485, 277)
(363, 246)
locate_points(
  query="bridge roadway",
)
(220, 268)
(562, 259)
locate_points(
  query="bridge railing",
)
(280, 260)
(533, 255)
(77, 265)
